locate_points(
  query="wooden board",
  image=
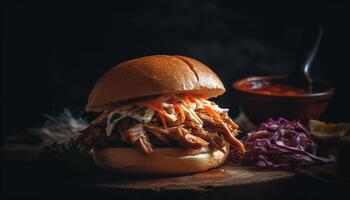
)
(227, 182)
(228, 175)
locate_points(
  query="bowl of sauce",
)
(263, 97)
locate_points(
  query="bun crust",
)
(163, 161)
(153, 75)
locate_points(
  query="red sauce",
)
(267, 88)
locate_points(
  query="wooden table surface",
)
(228, 175)
(42, 180)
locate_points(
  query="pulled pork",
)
(178, 120)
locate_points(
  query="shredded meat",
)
(179, 134)
(216, 131)
(159, 133)
(96, 137)
(136, 135)
(200, 132)
(185, 138)
(216, 140)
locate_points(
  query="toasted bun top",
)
(163, 161)
(153, 75)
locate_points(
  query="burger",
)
(155, 118)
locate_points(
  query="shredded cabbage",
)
(144, 114)
(127, 111)
(279, 144)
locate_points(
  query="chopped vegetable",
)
(279, 144)
(212, 113)
(128, 111)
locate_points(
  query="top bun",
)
(153, 75)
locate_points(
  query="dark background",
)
(52, 53)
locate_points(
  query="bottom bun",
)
(162, 161)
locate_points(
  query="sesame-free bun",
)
(163, 161)
(153, 75)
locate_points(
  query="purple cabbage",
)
(279, 144)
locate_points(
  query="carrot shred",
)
(185, 98)
(192, 99)
(187, 101)
(156, 106)
(181, 111)
(177, 107)
(162, 118)
(212, 113)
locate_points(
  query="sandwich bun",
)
(153, 75)
(163, 161)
